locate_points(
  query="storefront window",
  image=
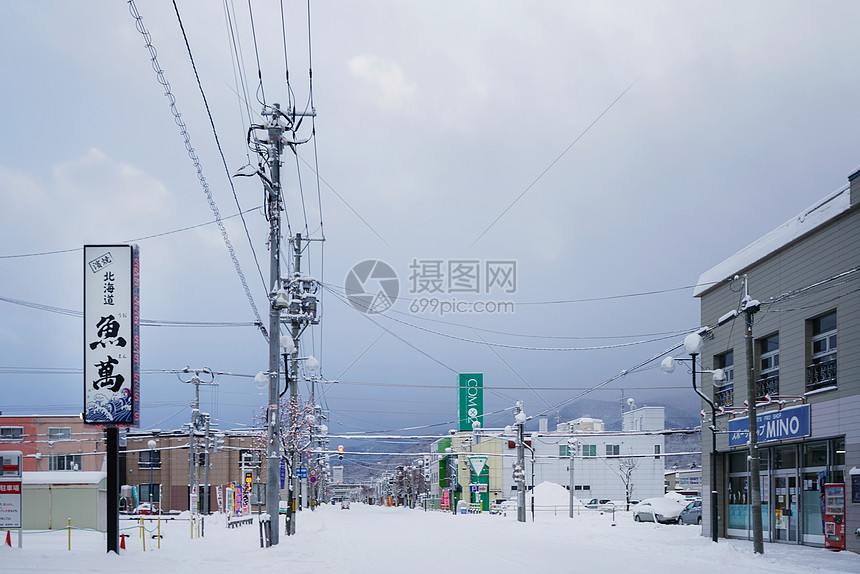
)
(738, 517)
(738, 461)
(784, 458)
(815, 454)
(811, 508)
(838, 452)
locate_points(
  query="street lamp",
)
(151, 444)
(693, 347)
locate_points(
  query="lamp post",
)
(693, 347)
(151, 444)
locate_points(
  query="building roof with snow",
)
(809, 219)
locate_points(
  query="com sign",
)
(471, 392)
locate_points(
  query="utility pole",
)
(296, 325)
(572, 451)
(519, 469)
(277, 127)
(274, 205)
(750, 307)
(197, 418)
(205, 464)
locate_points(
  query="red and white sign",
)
(10, 504)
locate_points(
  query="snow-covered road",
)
(368, 539)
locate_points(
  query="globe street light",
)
(693, 347)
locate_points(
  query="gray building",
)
(806, 366)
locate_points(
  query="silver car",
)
(657, 510)
(692, 513)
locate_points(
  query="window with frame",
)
(564, 451)
(589, 450)
(768, 383)
(59, 433)
(821, 372)
(144, 490)
(11, 433)
(724, 394)
(613, 449)
(65, 462)
(149, 459)
(657, 450)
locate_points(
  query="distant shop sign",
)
(788, 423)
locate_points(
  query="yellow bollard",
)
(192, 527)
(143, 533)
(159, 532)
(70, 534)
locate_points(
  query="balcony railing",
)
(725, 396)
(147, 465)
(821, 375)
(767, 386)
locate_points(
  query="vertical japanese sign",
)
(111, 335)
(471, 391)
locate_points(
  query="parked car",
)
(344, 505)
(147, 509)
(692, 513)
(600, 504)
(502, 506)
(657, 510)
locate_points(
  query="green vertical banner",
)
(471, 387)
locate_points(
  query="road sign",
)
(302, 472)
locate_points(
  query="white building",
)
(604, 462)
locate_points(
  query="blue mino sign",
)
(788, 423)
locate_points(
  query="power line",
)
(135, 240)
(193, 155)
(218, 143)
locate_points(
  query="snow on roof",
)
(816, 215)
(63, 477)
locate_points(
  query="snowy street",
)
(367, 539)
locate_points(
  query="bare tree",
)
(626, 466)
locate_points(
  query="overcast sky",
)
(608, 148)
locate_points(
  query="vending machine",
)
(834, 516)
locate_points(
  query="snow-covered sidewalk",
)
(371, 539)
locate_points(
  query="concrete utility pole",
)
(274, 204)
(294, 390)
(197, 418)
(750, 307)
(519, 469)
(277, 127)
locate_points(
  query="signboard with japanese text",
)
(10, 504)
(790, 422)
(111, 335)
(471, 393)
(11, 467)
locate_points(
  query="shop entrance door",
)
(785, 516)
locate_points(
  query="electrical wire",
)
(135, 240)
(218, 144)
(193, 155)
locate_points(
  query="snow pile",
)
(551, 494)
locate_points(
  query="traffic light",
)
(340, 452)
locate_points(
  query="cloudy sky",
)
(608, 148)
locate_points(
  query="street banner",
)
(111, 335)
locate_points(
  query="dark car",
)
(692, 513)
